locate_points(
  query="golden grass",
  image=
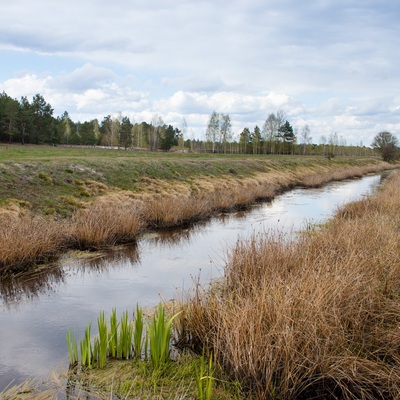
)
(27, 239)
(313, 318)
(107, 222)
(120, 216)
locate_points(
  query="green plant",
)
(102, 340)
(113, 340)
(160, 336)
(138, 334)
(125, 337)
(72, 348)
(86, 348)
(205, 379)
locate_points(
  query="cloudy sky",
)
(331, 64)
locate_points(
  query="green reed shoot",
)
(160, 336)
(205, 380)
(125, 337)
(102, 349)
(72, 348)
(86, 348)
(146, 346)
(113, 339)
(138, 333)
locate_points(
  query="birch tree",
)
(213, 129)
(305, 138)
(225, 131)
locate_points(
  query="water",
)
(37, 310)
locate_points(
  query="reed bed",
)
(105, 224)
(169, 211)
(27, 240)
(121, 216)
(317, 317)
(320, 178)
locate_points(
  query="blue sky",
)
(330, 64)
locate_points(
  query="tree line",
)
(33, 121)
(276, 136)
(23, 121)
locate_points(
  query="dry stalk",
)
(313, 318)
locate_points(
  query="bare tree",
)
(156, 124)
(305, 137)
(225, 131)
(182, 135)
(269, 132)
(213, 129)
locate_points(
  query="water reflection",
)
(29, 286)
(47, 303)
(103, 261)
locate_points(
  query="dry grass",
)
(312, 318)
(26, 239)
(317, 179)
(107, 222)
(120, 216)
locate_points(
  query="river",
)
(38, 309)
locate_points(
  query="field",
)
(54, 198)
(316, 318)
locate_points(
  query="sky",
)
(330, 64)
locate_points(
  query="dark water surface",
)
(36, 311)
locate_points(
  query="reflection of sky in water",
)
(33, 329)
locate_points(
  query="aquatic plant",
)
(205, 379)
(159, 337)
(125, 337)
(138, 334)
(102, 340)
(72, 348)
(113, 336)
(86, 348)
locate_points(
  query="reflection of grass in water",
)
(28, 286)
(103, 217)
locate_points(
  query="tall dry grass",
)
(27, 239)
(105, 223)
(317, 317)
(120, 217)
(319, 178)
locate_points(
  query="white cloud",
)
(315, 60)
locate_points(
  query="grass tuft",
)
(312, 318)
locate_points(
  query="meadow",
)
(312, 318)
(53, 199)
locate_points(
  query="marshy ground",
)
(314, 318)
(54, 199)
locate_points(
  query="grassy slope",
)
(55, 180)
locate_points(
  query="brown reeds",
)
(317, 317)
(27, 239)
(119, 217)
(114, 220)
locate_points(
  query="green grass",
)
(56, 180)
(160, 337)
(132, 373)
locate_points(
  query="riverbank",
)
(313, 318)
(134, 378)
(60, 199)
